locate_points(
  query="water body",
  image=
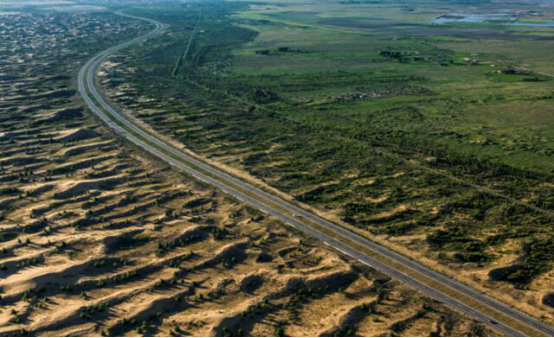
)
(541, 24)
(473, 18)
(77, 8)
(481, 18)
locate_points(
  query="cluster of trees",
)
(538, 259)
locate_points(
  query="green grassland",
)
(461, 84)
(333, 102)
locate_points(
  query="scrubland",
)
(422, 137)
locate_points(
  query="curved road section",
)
(500, 316)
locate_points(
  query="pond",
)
(481, 18)
(536, 24)
(473, 18)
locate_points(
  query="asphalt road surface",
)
(290, 213)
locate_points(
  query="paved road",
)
(293, 216)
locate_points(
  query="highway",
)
(500, 316)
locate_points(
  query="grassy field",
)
(461, 81)
(352, 107)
